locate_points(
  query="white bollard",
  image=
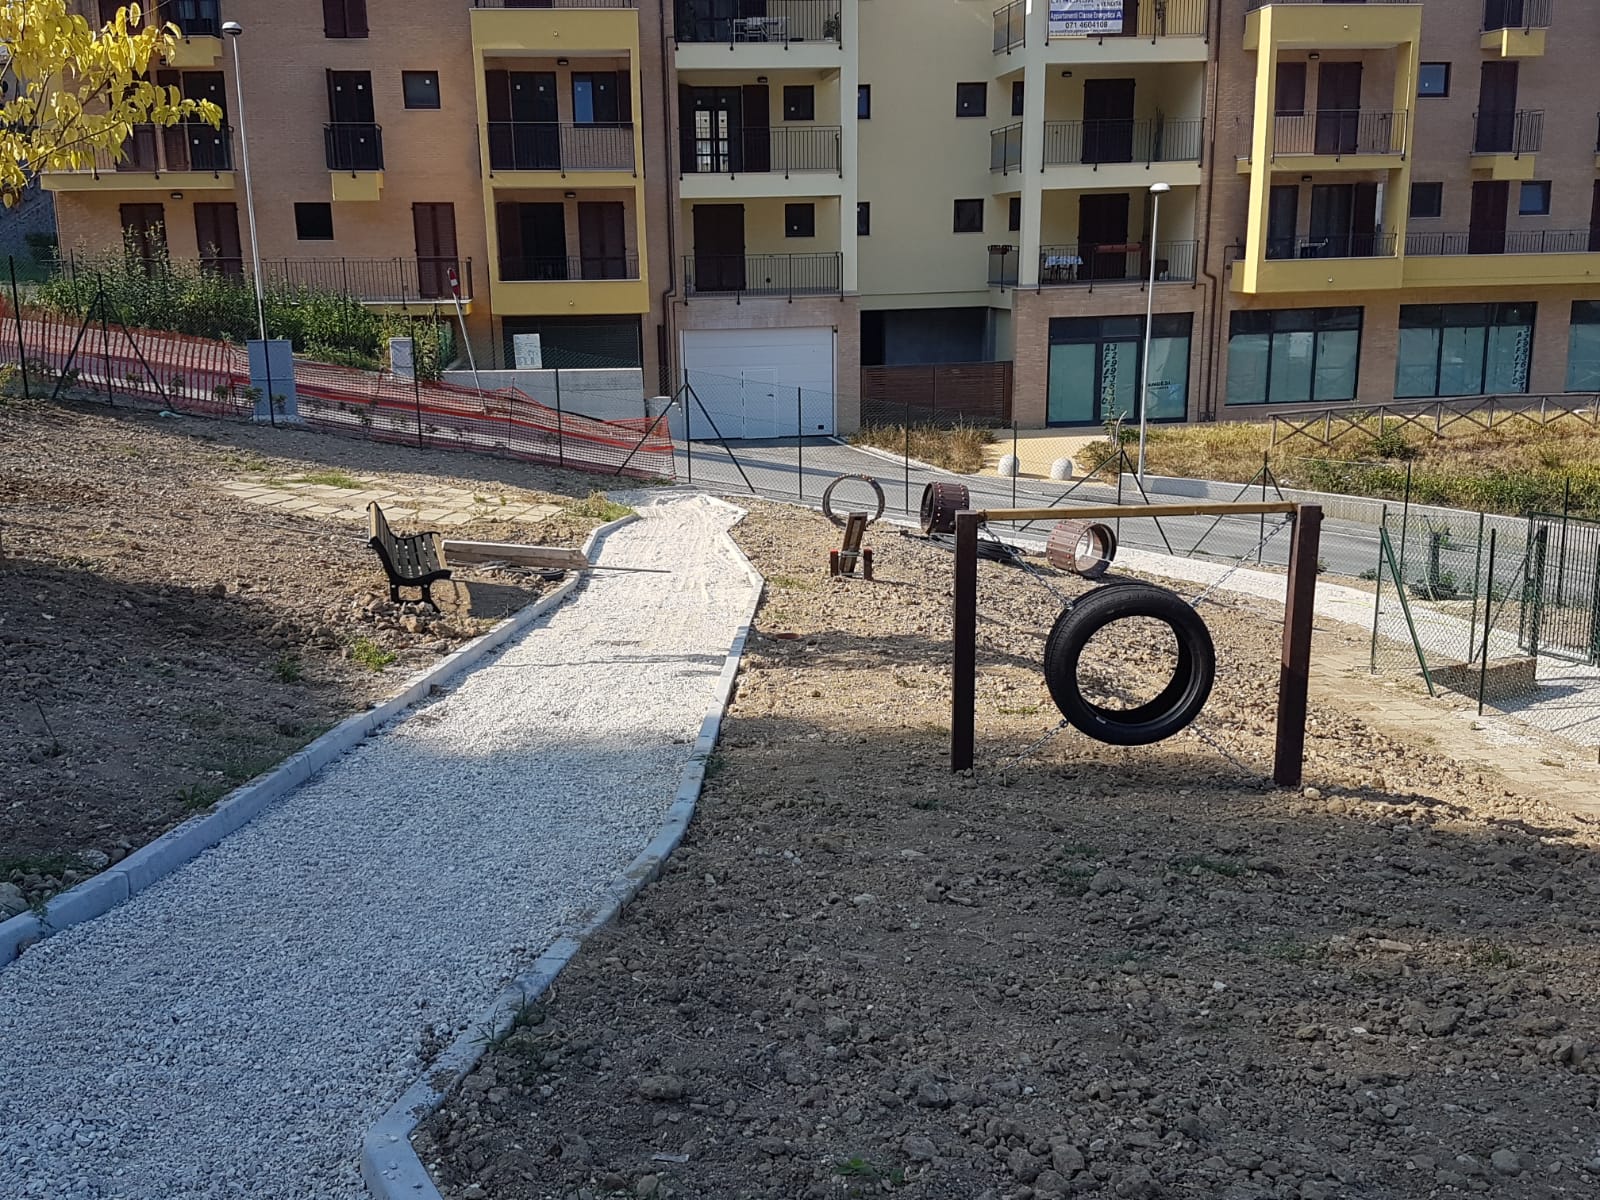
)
(1061, 470)
(1008, 466)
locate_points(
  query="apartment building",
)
(1356, 201)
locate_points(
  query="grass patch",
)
(958, 449)
(370, 655)
(196, 796)
(332, 478)
(860, 1167)
(1494, 957)
(1202, 862)
(287, 669)
(54, 863)
(597, 506)
(792, 583)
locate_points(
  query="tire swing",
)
(827, 497)
(1180, 701)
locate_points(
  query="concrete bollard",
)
(1061, 470)
(1008, 466)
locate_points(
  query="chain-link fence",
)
(1502, 610)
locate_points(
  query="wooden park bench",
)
(410, 560)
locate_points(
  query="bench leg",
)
(427, 596)
(394, 593)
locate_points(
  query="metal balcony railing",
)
(1091, 143)
(1166, 18)
(373, 280)
(160, 149)
(353, 146)
(1504, 241)
(1252, 5)
(1100, 262)
(555, 4)
(1337, 133)
(1005, 149)
(1354, 245)
(560, 146)
(785, 275)
(1004, 262)
(783, 150)
(1501, 132)
(1010, 26)
(1516, 14)
(546, 269)
(779, 22)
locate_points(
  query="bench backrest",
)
(411, 556)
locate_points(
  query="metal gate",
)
(1561, 588)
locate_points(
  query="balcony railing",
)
(784, 150)
(1004, 262)
(544, 269)
(558, 146)
(1100, 262)
(779, 22)
(1357, 245)
(1172, 18)
(785, 275)
(1091, 143)
(555, 3)
(159, 149)
(1504, 241)
(1005, 149)
(353, 146)
(1515, 14)
(1338, 133)
(374, 280)
(1515, 133)
(1010, 26)
(1252, 5)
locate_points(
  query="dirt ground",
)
(162, 642)
(1096, 972)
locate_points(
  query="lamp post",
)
(1157, 190)
(234, 30)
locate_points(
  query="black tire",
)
(827, 497)
(1180, 701)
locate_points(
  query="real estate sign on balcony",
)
(1070, 18)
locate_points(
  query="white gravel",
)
(233, 1030)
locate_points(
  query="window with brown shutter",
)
(344, 18)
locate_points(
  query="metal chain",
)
(1019, 558)
(1016, 758)
(1199, 732)
(1238, 563)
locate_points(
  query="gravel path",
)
(232, 1031)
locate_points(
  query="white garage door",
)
(760, 383)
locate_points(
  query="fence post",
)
(416, 378)
(16, 311)
(1477, 571)
(1261, 540)
(105, 338)
(1488, 623)
(1377, 593)
(561, 450)
(1405, 527)
(1016, 468)
(1533, 588)
(1561, 554)
(799, 440)
(688, 438)
(907, 457)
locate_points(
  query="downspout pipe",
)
(1214, 282)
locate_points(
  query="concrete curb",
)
(111, 887)
(389, 1164)
(916, 463)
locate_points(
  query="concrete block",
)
(88, 900)
(17, 934)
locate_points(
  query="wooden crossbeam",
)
(1098, 511)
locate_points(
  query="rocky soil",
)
(162, 642)
(1094, 972)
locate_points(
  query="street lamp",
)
(1157, 190)
(234, 30)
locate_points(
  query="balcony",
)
(1005, 149)
(784, 150)
(190, 154)
(517, 27)
(1010, 27)
(1173, 31)
(553, 270)
(199, 25)
(1505, 143)
(1087, 264)
(1342, 139)
(1271, 25)
(560, 148)
(555, 3)
(354, 151)
(1004, 263)
(1515, 28)
(379, 281)
(782, 276)
(1357, 245)
(757, 22)
(1503, 257)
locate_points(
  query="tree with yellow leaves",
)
(69, 91)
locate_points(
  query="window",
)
(1095, 368)
(969, 216)
(864, 102)
(1017, 98)
(598, 97)
(421, 88)
(799, 102)
(1464, 349)
(1293, 355)
(1014, 214)
(799, 220)
(972, 99)
(1583, 347)
(1434, 79)
(1427, 199)
(863, 219)
(313, 222)
(144, 233)
(1291, 95)
(1535, 199)
(344, 18)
